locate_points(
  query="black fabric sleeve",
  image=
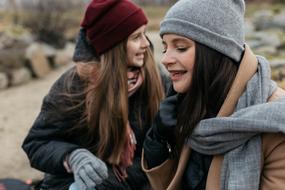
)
(155, 151)
(46, 144)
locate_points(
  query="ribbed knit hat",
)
(218, 24)
(108, 22)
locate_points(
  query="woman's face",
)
(136, 47)
(179, 57)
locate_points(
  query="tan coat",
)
(273, 145)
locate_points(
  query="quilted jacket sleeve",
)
(47, 142)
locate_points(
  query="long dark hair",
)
(105, 99)
(213, 75)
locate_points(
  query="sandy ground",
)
(19, 107)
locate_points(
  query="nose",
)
(145, 42)
(167, 59)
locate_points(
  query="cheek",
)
(189, 62)
(183, 85)
(130, 50)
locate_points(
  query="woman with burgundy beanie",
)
(93, 121)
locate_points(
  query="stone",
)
(37, 61)
(64, 56)
(20, 76)
(3, 81)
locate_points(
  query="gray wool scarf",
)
(237, 137)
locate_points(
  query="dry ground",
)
(19, 107)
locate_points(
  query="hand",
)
(166, 118)
(88, 170)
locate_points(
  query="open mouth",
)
(176, 75)
(140, 55)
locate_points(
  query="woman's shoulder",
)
(271, 141)
(67, 80)
(273, 161)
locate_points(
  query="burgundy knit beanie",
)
(109, 22)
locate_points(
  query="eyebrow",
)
(137, 33)
(176, 40)
(134, 34)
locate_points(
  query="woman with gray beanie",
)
(223, 122)
(93, 121)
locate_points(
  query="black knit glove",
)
(88, 170)
(166, 118)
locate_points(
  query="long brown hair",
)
(213, 75)
(106, 101)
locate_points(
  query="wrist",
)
(66, 164)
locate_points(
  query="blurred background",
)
(37, 41)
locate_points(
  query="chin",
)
(138, 64)
(179, 89)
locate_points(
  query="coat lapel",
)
(247, 69)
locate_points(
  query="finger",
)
(93, 174)
(99, 165)
(86, 180)
(100, 174)
(79, 183)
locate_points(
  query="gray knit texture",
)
(218, 24)
(237, 137)
(88, 170)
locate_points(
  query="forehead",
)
(172, 38)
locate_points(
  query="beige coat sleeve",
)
(273, 171)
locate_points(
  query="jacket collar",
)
(247, 69)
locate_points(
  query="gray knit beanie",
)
(217, 24)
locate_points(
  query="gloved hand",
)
(166, 118)
(88, 170)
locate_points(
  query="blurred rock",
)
(277, 63)
(260, 39)
(3, 81)
(11, 59)
(64, 56)
(20, 76)
(5, 41)
(278, 69)
(279, 21)
(15, 37)
(37, 60)
(248, 27)
(262, 19)
(266, 50)
(48, 50)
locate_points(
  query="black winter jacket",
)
(156, 150)
(49, 142)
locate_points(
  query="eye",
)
(181, 49)
(164, 49)
(137, 36)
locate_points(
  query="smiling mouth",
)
(176, 75)
(140, 55)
